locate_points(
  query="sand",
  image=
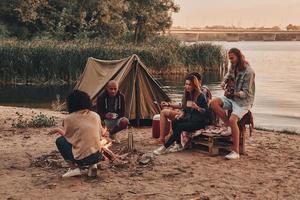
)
(269, 170)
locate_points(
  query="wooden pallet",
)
(215, 143)
(211, 142)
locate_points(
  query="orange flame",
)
(105, 143)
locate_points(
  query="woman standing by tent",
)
(194, 115)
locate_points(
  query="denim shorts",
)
(229, 104)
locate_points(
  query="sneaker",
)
(233, 155)
(114, 138)
(176, 148)
(92, 171)
(160, 150)
(72, 172)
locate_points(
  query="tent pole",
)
(137, 95)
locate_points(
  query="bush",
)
(36, 121)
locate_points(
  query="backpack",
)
(206, 91)
(212, 118)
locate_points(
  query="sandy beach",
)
(31, 168)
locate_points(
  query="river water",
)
(277, 68)
(276, 106)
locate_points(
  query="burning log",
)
(108, 154)
(104, 143)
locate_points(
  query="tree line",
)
(134, 20)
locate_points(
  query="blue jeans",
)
(65, 149)
(180, 125)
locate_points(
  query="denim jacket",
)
(244, 85)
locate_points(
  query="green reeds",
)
(53, 62)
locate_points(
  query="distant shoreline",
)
(230, 35)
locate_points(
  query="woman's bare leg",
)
(165, 115)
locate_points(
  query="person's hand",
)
(223, 85)
(109, 115)
(178, 116)
(237, 94)
(53, 131)
(56, 131)
(226, 93)
(194, 106)
(164, 104)
(229, 94)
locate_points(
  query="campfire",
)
(119, 156)
(105, 143)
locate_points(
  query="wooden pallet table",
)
(214, 143)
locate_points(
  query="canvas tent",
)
(142, 92)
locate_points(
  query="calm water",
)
(32, 96)
(277, 67)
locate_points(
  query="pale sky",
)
(246, 13)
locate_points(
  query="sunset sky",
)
(246, 13)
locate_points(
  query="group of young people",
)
(238, 98)
(79, 143)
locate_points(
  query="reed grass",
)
(50, 62)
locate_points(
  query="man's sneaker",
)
(72, 172)
(160, 150)
(233, 155)
(114, 138)
(92, 172)
(176, 148)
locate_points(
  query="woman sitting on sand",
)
(194, 115)
(79, 143)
